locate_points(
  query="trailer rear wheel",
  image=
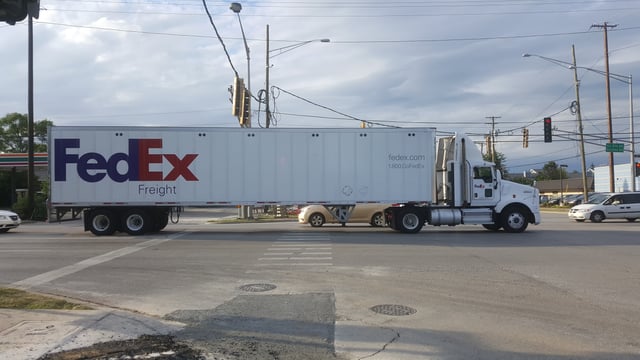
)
(136, 222)
(161, 221)
(102, 222)
(410, 221)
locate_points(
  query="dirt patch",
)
(157, 347)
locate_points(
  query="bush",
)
(39, 211)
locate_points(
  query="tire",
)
(161, 221)
(377, 220)
(102, 222)
(597, 216)
(631, 219)
(492, 227)
(514, 219)
(316, 220)
(410, 221)
(136, 222)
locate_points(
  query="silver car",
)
(8, 220)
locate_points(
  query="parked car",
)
(8, 220)
(318, 215)
(608, 206)
(573, 199)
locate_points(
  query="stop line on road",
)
(299, 249)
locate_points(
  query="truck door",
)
(484, 181)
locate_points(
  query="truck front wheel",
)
(136, 222)
(102, 222)
(514, 219)
(410, 221)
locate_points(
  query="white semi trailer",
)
(130, 178)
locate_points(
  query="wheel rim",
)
(410, 221)
(101, 222)
(597, 217)
(378, 219)
(316, 220)
(516, 220)
(135, 222)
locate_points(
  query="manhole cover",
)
(393, 310)
(257, 287)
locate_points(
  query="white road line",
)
(295, 264)
(84, 264)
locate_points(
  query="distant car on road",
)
(8, 220)
(318, 215)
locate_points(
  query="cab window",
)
(483, 172)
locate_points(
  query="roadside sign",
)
(614, 147)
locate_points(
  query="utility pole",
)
(493, 137)
(266, 94)
(606, 26)
(576, 81)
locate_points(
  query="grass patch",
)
(19, 299)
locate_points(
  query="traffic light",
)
(525, 138)
(238, 92)
(245, 116)
(12, 11)
(547, 130)
(637, 168)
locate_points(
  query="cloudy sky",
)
(449, 64)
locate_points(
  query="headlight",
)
(4, 217)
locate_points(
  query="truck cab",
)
(469, 190)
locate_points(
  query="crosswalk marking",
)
(298, 250)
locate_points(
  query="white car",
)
(8, 220)
(608, 206)
(318, 215)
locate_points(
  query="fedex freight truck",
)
(130, 178)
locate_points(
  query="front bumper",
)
(578, 215)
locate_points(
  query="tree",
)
(551, 171)
(14, 131)
(500, 162)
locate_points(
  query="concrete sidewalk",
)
(30, 334)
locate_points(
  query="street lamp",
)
(576, 82)
(629, 81)
(561, 202)
(279, 51)
(236, 8)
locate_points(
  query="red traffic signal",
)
(547, 130)
(637, 168)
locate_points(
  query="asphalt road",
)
(561, 290)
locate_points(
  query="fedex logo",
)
(93, 167)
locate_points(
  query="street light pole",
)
(268, 67)
(576, 82)
(236, 8)
(585, 191)
(629, 81)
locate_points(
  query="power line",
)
(204, 3)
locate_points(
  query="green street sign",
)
(614, 147)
